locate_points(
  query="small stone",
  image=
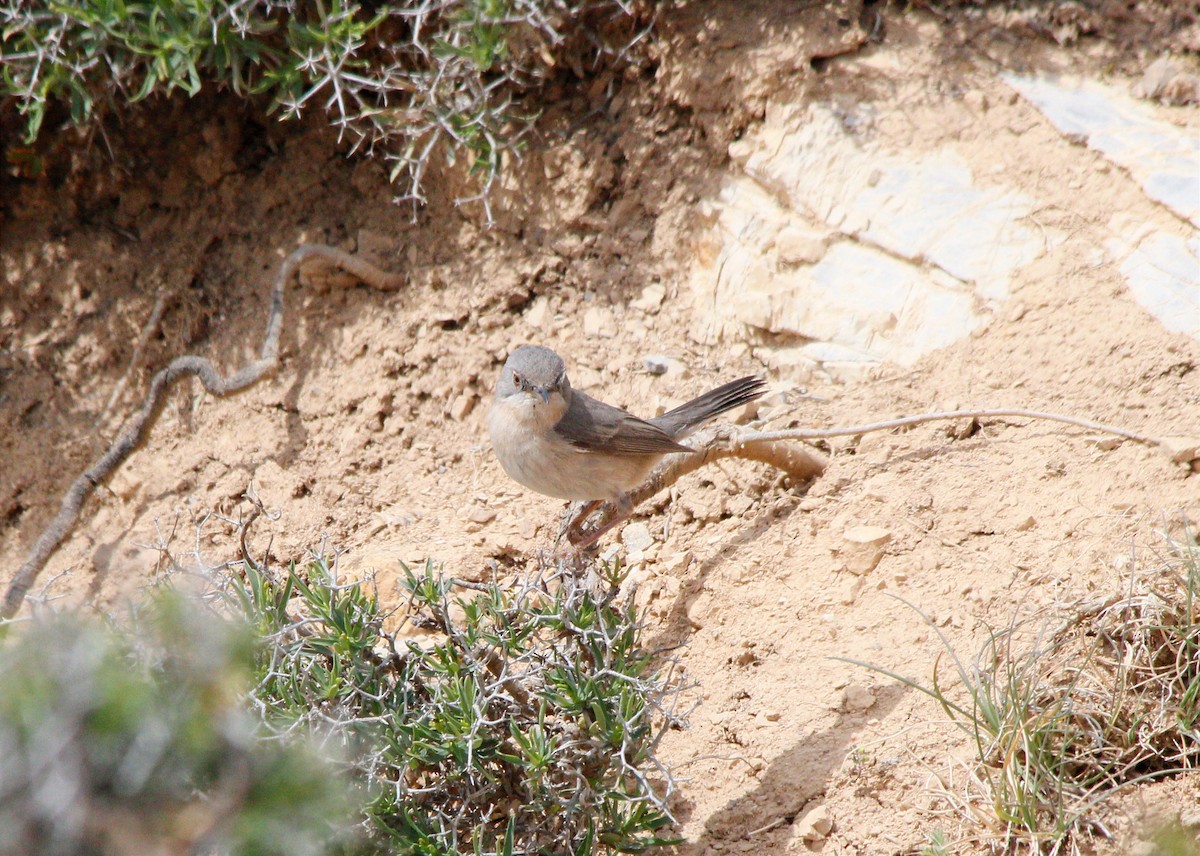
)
(856, 698)
(1104, 443)
(1183, 450)
(814, 825)
(863, 548)
(636, 537)
(538, 313)
(977, 101)
(1169, 81)
(599, 323)
(772, 715)
(704, 505)
(747, 657)
(677, 564)
(462, 406)
(651, 299)
(481, 515)
(527, 529)
(657, 364)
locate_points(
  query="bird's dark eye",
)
(516, 379)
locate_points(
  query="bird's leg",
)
(581, 540)
(572, 525)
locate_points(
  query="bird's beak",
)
(543, 392)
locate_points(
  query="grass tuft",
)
(1061, 720)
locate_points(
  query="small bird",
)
(563, 443)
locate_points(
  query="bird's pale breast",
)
(535, 457)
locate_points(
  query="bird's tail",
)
(687, 417)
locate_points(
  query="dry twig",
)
(138, 427)
(774, 448)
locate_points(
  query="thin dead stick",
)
(820, 433)
(711, 444)
(773, 448)
(139, 426)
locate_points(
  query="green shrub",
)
(525, 723)
(411, 79)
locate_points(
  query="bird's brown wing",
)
(594, 426)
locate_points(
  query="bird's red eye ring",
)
(516, 379)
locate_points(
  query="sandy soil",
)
(370, 439)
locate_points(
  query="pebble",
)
(814, 825)
(636, 537)
(538, 313)
(857, 698)
(862, 548)
(677, 564)
(462, 406)
(481, 515)
(1170, 81)
(599, 323)
(657, 364)
(651, 299)
(1183, 450)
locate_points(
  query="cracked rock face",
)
(842, 233)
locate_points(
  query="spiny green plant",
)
(281, 718)
(524, 722)
(409, 80)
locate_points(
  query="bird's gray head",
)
(534, 375)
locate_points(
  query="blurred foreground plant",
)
(136, 740)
